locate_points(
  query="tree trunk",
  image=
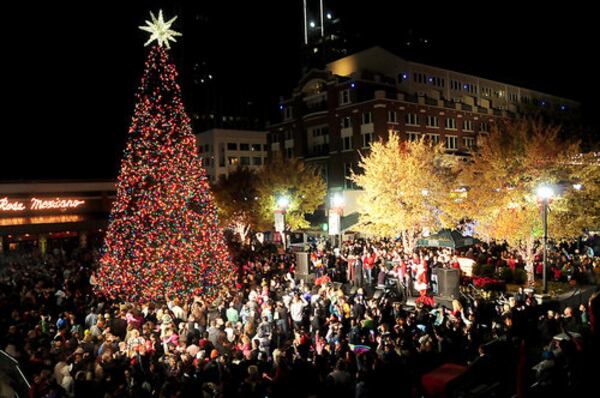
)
(408, 240)
(242, 230)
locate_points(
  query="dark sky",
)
(73, 69)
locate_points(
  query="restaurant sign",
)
(35, 204)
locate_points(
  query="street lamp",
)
(335, 216)
(545, 193)
(283, 202)
(337, 201)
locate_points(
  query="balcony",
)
(312, 107)
(431, 101)
(317, 153)
(466, 107)
(411, 98)
(449, 104)
(497, 112)
(483, 110)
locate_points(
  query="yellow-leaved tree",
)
(296, 180)
(406, 187)
(237, 201)
(511, 163)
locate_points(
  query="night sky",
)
(73, 70)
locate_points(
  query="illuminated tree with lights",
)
(163, 238)
(298, 182)
(509, 167)
(406, 186)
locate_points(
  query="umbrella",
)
(446, 238)
(10, 372)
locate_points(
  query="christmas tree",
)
(163, 237)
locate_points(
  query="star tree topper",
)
(160, 30)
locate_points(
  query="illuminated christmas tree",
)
(163, 237)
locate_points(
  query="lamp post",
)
(545, 193)
(335, 217)
(283, 203)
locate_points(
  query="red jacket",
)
(369, 261)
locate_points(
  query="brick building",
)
(337, 112)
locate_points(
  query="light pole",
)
(283, 203)
(545, 193)
(335, 217)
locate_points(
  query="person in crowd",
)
(274, 335)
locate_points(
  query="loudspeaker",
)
(448, 281)
(302, 265)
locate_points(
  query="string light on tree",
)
(163, 237)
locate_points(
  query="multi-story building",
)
(324, 37)
(336, 112)
(223, 150)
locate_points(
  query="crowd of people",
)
(279, 335)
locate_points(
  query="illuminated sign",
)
(17, 205)
(6, 205)
(40, 220)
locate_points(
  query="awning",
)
(349, 221)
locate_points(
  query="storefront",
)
(50, 215)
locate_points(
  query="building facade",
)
(224, 150)
(47, 215)
(337, 112)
